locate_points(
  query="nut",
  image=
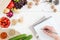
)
(52, 6)
(11, 32)
(20, 19)
(14, 22)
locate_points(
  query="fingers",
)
(46, 32)
(50, 28)
(50, 31)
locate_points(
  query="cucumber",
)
(22, 38)
(28, 37)
(18, 37)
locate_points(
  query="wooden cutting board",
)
(4, 4)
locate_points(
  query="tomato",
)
(5, 22)
(0, 21)
(11, 5)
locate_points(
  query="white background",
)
(32, 15)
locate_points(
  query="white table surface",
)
(32, 15)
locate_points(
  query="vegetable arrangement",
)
(11, 34)
(14, 5)
(22, 37)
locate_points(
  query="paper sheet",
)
(50, 22)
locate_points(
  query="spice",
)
(55, 10)
(3, 35)
(20, 19)
(52, 6)
(14, 22)
(12, 32)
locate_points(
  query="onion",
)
(10, 14)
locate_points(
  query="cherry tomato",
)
(11, 5)
(0, 21)
(5, 22)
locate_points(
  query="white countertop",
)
(32, 15)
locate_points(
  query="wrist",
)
(57, 38)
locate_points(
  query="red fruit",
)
(11, 5)
(5, 22)
(0, 21)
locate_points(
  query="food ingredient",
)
(3, 35)
(22, 37)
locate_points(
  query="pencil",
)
(50, 31)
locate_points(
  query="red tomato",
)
(0, 21)
(11, 5)
(5, 22)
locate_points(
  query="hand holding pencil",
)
(50, 31)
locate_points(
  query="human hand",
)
(49, 31)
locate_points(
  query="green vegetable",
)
(18, 37)
(28, 37)
(22, 37)
(16, 0)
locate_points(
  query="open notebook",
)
(3, 4)
(50, 22)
